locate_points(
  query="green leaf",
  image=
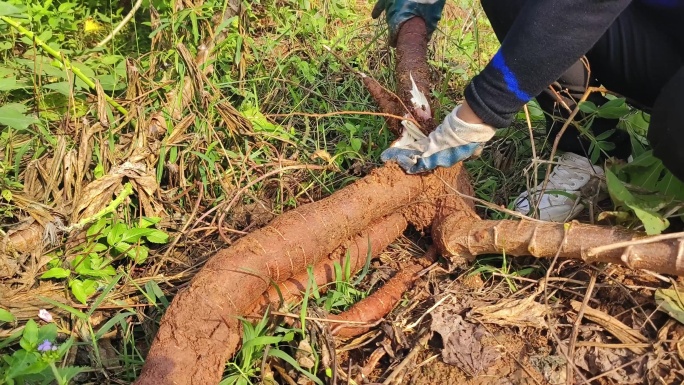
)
(7, 9)
(29, 337)
(137, 253)
(133, 235)
(11, 84)
(69, 372)
(56, 272)
(111, 82)
(114, 235)
(644, 207)
(7, 195)
(146, 222)
(654, 223)
(670, 301)
(96, 228)
(47, 332)
(63, 88)
(21, 361)
(83, 289)
(6, 316)
(613, 109)
(356, 144)
(157, 236)
(588, 107)
(14, 115)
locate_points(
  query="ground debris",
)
(513, 312)
(463, 341)
(617, 364)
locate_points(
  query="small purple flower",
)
(46, 346)
(45, 315)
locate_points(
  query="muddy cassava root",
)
(200, 331)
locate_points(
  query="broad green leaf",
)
(14, 115)
(21, 360)
(43, 65)
(63, 88)
(157, 236)
(69, 372)
(115, 233)
(613, 109)
(588, 107)
(29, 337)
(355, 144)
(7, 9)
(56, 272)
(136, 252)
(111, 82)
(11, 84)
(133, 235)
(83, 289)
(6, 316)
(653, 222)
(146, 222)
(96, 228)
(671, 301)
(47, 332)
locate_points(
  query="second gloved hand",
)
(398, 11)
(453, 141)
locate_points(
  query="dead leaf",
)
(96, 196)
(599, 360)
(304, 355)
(513, 312)
(463, 342)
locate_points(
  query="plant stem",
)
(113, 205)
(58, 55)
(55, 373)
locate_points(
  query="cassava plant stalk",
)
(467, 239)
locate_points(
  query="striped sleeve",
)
(547, 37)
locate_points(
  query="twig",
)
(409, 357)
(535, 170)
(185, 227)
(565, 126)
(489, 205)
(575, 327)
(651, 239)
(118, 28)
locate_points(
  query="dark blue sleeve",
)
(547, 37)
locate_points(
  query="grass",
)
(161, 183)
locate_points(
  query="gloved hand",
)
(398, 11)
(453, 141)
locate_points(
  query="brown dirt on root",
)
(200, 330)
(378, 236)
(412, 62)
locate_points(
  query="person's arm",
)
(547, 37)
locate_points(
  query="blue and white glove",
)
(453, 141)
(398, 11)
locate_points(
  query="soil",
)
(513, 367)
